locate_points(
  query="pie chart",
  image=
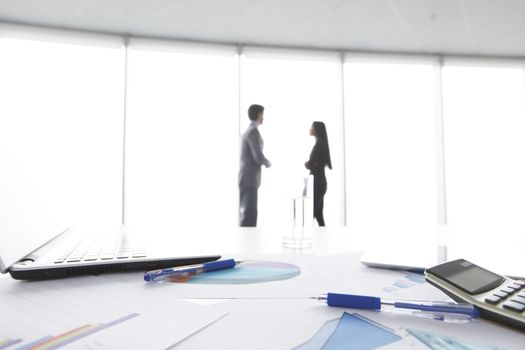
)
(249, 271)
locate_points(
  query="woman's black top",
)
(318, 160)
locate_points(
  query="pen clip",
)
(464, 309)
(445, 317)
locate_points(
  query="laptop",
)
(418, 258)
(47, 252)
(415, 259)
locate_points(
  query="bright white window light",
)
(61, 119)
(182, 145)
(295, 89)
(484, 109)
(390, 148)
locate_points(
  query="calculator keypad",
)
(508, 290)
(514, 306)
(512, 291)
(493, 299)
(519, 299)
(501, 294)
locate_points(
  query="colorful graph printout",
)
(6, 342)
(249, 271)
(442, 342)
(351, 332)
(68, 337)
(320, 337)
(408, 280)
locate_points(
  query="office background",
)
(110, 124)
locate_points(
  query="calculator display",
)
(468, 277)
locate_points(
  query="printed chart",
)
(89, 313)
(7, 342)
(68, 337)
(351, 332)
(408, 280)
(441, 342)
(249, 271)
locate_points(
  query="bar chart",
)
(68, 337)
(91, 313)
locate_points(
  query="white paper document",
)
(287, 324)
(79, 314)
(319, 274)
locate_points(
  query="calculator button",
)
(493, 299)
(519, 299)
(514, 306)
(501, 294)
(514, 286)
(508, 290)
(522, 294)
(520, 283)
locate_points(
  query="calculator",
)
(498, 298)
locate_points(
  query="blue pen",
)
(183, 273)
(438, 309)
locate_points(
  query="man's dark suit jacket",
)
(252, 158)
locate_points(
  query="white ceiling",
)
(471, 27)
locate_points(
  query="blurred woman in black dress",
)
(319, 159)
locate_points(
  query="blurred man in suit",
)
(252, 158)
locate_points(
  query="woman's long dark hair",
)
(322, 142)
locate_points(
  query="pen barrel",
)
(163, 275)
(219, 265)
(353, 301)
(469, 310)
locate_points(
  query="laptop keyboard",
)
(95, 248)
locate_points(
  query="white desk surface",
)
(326, 241)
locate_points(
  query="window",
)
(87, 141)
(484, 110)
(181, 136)
(60, 133)
(391, 147)
(296, 89)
